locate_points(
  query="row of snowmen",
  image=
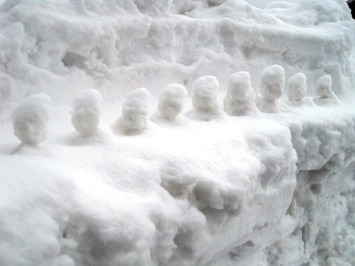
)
(31, 117)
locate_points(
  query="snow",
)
(171, 101)
(135, 111)
(173, 163)
(240, 98)
(325, 92)
(30, 119)
(272, 82)
(297, 87)
(86, 113)
(204, 95)
(297, 91)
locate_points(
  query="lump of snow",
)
(324, 86)
(297, 87)
(204, 94)
(325, 94)
(272, 81)
(31, 117)
(171, 101)
(87, 110)
(135, 111)
(204, 99)
(240, 98)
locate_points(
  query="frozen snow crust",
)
(263, 189)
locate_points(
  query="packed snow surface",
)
(178, 133)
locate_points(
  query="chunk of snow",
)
(135, 112)
(204, 98)
(240, 98)
(171, 101)
(324, 86)
(272, 82)
(31, 117)
(297, 90)
(86, 112)
(325, 94)
(297, 87)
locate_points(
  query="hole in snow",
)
(73, 59)
(316, 188)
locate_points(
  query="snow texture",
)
(171, 101)
(135, 112)
(240, 98)
(86, 112)
(30, 119)
(272, 82)
(204, 96)
(273, 189)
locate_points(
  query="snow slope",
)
(264, 189)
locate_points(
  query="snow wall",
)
(60, 47)
(277, 189)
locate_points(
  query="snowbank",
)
(122, 45)
(268, 189)
(246, 191)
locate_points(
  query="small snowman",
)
(325, 94)
(204, 99)
(240, 98)
(272, 82)
(297, 90)
(171, 101)
(86, 112)
(31, 118)
(135, 112)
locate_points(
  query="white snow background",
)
(201, 188)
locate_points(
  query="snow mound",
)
(31, 117)
(272, 81)
(135, 112)
(171, 101)
(204, 95)
(325, 92)
(297, 87)
(240, 98)
(86, 113)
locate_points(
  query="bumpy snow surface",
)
(177, 132)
